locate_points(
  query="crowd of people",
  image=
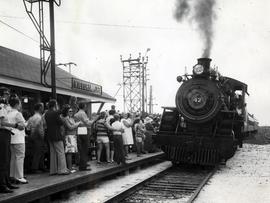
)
(64, 134)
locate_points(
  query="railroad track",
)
(176, 184)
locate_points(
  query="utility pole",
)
(150, 100)
(144, 81)
(53, 83)
(143, 86)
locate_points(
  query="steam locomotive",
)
(209, 121)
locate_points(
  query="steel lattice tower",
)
(47, 49)
(134, 84)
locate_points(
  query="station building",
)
(22, 74)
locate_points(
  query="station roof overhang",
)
(22, 70)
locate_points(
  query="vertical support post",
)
(145, 73)
(41, 41)
(151, 101)
(100, 107)
(52, 48)
(143, 86)
(89, 109)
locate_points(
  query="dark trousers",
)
(5, 136)
(39, 149)
(119, 151)
(83, 142)
(139, 145)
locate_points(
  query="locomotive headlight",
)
(198, 69)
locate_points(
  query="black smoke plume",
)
(202, 13)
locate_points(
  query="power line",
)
(13, 28)
(14, 17)
(121, 25)
(104, 24)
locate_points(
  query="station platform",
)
(42, 186)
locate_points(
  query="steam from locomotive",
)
(202, 13)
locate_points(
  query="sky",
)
(94, 33)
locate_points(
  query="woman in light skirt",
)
(70, 135)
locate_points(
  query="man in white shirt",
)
(83, 138)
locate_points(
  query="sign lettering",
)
(85, 86)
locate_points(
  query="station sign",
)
(85, 87)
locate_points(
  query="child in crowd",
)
(139, 129)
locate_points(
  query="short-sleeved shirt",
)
(139, 132)
(118, 126)
(35, 125)
(3, 115)
(101, 128)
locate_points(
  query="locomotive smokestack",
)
(205, 62)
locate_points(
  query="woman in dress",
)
(127, 135)
(70, 135)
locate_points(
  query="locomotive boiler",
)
(207, 124)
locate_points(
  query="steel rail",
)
(198, 190)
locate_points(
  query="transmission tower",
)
(134, 84)
(47, 49)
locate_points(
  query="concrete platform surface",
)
(43, 185)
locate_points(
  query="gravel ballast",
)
(245, 178)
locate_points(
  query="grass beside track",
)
(262, 137)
